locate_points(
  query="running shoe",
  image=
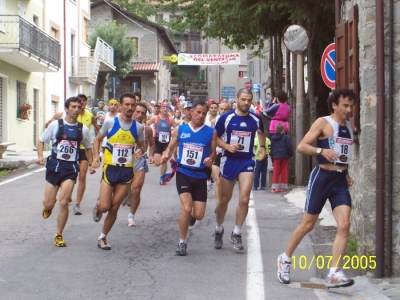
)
(131, 223)
(236, 240)
(127, 200)
(46, 213)
(181, 250)
(192, 221)
(59, 240)
(77, 210)
(96, 214)
(218, 242)
(338, 279)
(209, 187)
(283, 270)
(275, 190)
(102, 244)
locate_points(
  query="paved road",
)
(141, 264)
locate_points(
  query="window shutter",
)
(341, 56)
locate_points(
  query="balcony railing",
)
(16, 34)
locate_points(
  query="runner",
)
(163, 123)
(236, 131)
(329, 180)
(123, 134)
(140, 166)
(99, 112)
(113, 111)
(62, 166)
(197, 143)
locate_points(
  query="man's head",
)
(164, 108)
(244, 99)
(138, 97)
(101, 104)
(223, 108)
(199, 112)
(83, 99)
(156, 109)
(128, 102)
(212, 107)
(72, 107)
(341, 102)
(113, 105)
(140, 112)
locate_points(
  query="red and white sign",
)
(187, 59)
(328, 66)
(247, 85)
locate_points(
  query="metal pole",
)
(299, 119)
(114, 86)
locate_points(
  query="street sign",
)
(173, 58)
(247, 85)
(228, 92)
(256, 87)
(328, 64)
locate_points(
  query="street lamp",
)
(296, 40)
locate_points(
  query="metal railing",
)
(18, 34)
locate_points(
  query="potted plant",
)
(24, 110)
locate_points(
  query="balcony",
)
(24, 45)
(192, 85)
(102, 59)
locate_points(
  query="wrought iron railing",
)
(18, 34)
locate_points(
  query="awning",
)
(145, 66)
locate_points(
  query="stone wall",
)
(363, 167)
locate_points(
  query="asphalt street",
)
(142, 263)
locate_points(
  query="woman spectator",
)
(279, 112)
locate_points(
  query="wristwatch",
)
(319, 151)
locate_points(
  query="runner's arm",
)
(167, 154)
(94, 123)
(55, 117)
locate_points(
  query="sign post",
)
(328, 64)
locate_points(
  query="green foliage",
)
(115, 36)
(352, 246)
(141, 8)
(4, 172)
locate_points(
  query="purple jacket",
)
(278, 113)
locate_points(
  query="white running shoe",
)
(283, 270)
(131, 223)
(338, 279)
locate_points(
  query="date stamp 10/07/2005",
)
(354, 262)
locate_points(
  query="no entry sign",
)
(328, 63)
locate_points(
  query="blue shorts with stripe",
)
(114, 175)
(324, 185)
(230, 168)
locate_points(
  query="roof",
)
(161, 30)
(145, 66)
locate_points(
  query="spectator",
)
(279, 112)
(281, 151)
(260, 172)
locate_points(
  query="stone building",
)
(150, 75)
(367, 60)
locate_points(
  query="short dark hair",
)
(281, 95)
(199, 102)
(71, 99)
(81, 96)
(127, 95)
(336, 94)
(138, 94)
(244, 91)
(157, 105)
(141, 104)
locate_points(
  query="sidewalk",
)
(365, 287)
(19, 159)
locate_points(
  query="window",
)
(54, 33)
(242, 74)
(21, 94)
(135, 45)
(194, 46)
(54, 107)
(21, 10)
(266, 65)
(35, 20)
(251, 68)
(72, 53)
(85, 37)
(159, 17)
(177, 46)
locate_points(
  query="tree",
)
(115, 36)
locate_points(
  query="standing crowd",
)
(211, 144)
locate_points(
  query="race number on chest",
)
(191, 155)
(122, 154)
(243, 138)
(344, 147)
(67, 150)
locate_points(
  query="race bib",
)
(242, 138)
(67, 150)
(191, 155)
(163, 137)
(122, 154)
(344, 147)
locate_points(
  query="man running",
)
(328, 180)
(123, 134)
(163, 123)
(197, 143)
(236, 131)
(62, 166)
(98, 112)
(140, 166)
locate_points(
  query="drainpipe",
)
(380, 141)
(65, 50)
(390, 137)
(337, 11)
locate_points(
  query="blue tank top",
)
(163, 130)
(339, 131)
(194, 147)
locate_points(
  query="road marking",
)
(255, 272)
(39, 170)
(15, 178)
